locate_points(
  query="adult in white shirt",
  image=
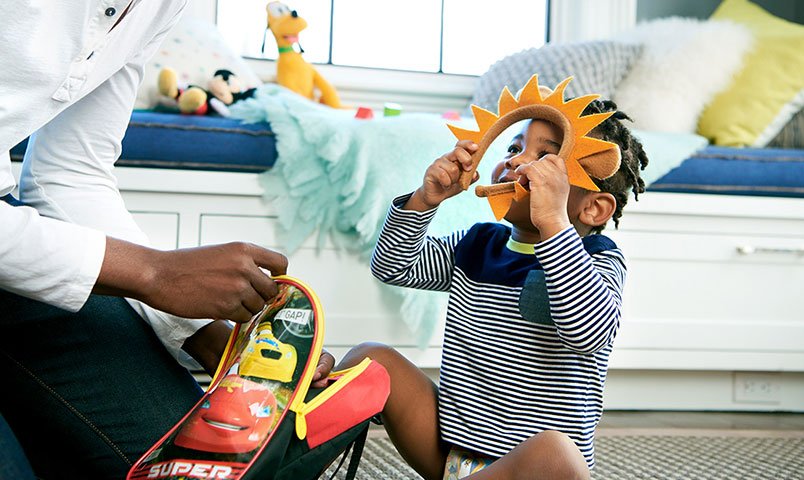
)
(92, 385)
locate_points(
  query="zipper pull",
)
(301, 423)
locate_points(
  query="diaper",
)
(461, 463)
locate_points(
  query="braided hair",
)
(633, 160)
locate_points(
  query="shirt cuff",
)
(77, 293)
(397, 213)
(171, 330)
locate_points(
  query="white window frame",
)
(569, 20)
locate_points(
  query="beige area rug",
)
(672, 455)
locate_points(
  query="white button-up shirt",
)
(69, 73)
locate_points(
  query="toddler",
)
(532, 314)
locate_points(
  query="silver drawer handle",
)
(749, 250)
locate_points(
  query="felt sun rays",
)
(585, 156)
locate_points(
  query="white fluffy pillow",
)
(195, 49)
(684, 63)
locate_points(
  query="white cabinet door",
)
(161, 228)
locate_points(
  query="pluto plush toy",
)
(292, 71)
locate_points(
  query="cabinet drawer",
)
(700, 247)
(699, 292)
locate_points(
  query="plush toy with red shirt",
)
(222, 90)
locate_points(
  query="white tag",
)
(295, 315)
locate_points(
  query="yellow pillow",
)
(769, 89)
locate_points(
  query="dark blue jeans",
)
(85, 393)
(13, 464)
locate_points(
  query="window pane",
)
(384, 34)
(242, 24)
(477, 33)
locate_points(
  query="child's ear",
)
(598, 209)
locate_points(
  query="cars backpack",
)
(260, 418)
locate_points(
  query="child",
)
(532, 314)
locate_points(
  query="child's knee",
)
(378, 352)
(562, 458)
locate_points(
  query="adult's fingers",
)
(273, 261)
(239, 315)
(264, 285)
(253, 301)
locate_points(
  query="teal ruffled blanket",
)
(336, 176)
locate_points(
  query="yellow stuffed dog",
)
(292, 71)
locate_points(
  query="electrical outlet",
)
(757, 388)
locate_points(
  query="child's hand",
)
(549, 192)
(441, 180)
(323, 369)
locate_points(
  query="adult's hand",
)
(217, 281)
(207, 344)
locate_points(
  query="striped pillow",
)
(598, 66)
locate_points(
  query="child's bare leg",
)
(549, 455)
(411, 414)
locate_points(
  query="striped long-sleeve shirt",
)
(528, 335)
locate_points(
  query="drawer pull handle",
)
(749, 250)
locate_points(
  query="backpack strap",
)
(356, 448)
(357, 452)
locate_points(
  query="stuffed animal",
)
(292, 71)
(223, 89)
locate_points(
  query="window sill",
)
(369, 87)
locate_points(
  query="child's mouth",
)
(522, 180)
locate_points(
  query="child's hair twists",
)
(634, 159)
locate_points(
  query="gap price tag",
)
(294, 315)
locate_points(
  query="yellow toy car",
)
(268, 358)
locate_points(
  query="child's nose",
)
(521, 159)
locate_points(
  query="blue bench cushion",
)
(168, 140)
(738, 171)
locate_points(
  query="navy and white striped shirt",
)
(527, 337)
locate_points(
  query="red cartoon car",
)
(235, 418)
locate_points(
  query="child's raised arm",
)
(406, 257)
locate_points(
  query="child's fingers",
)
(532, 172)
(444, 178)
(451, 167)
(463, 153)
(467, 145)
(464, 158)
(557, 161)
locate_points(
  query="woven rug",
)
(644, 457)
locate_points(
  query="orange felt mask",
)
(585, 157)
